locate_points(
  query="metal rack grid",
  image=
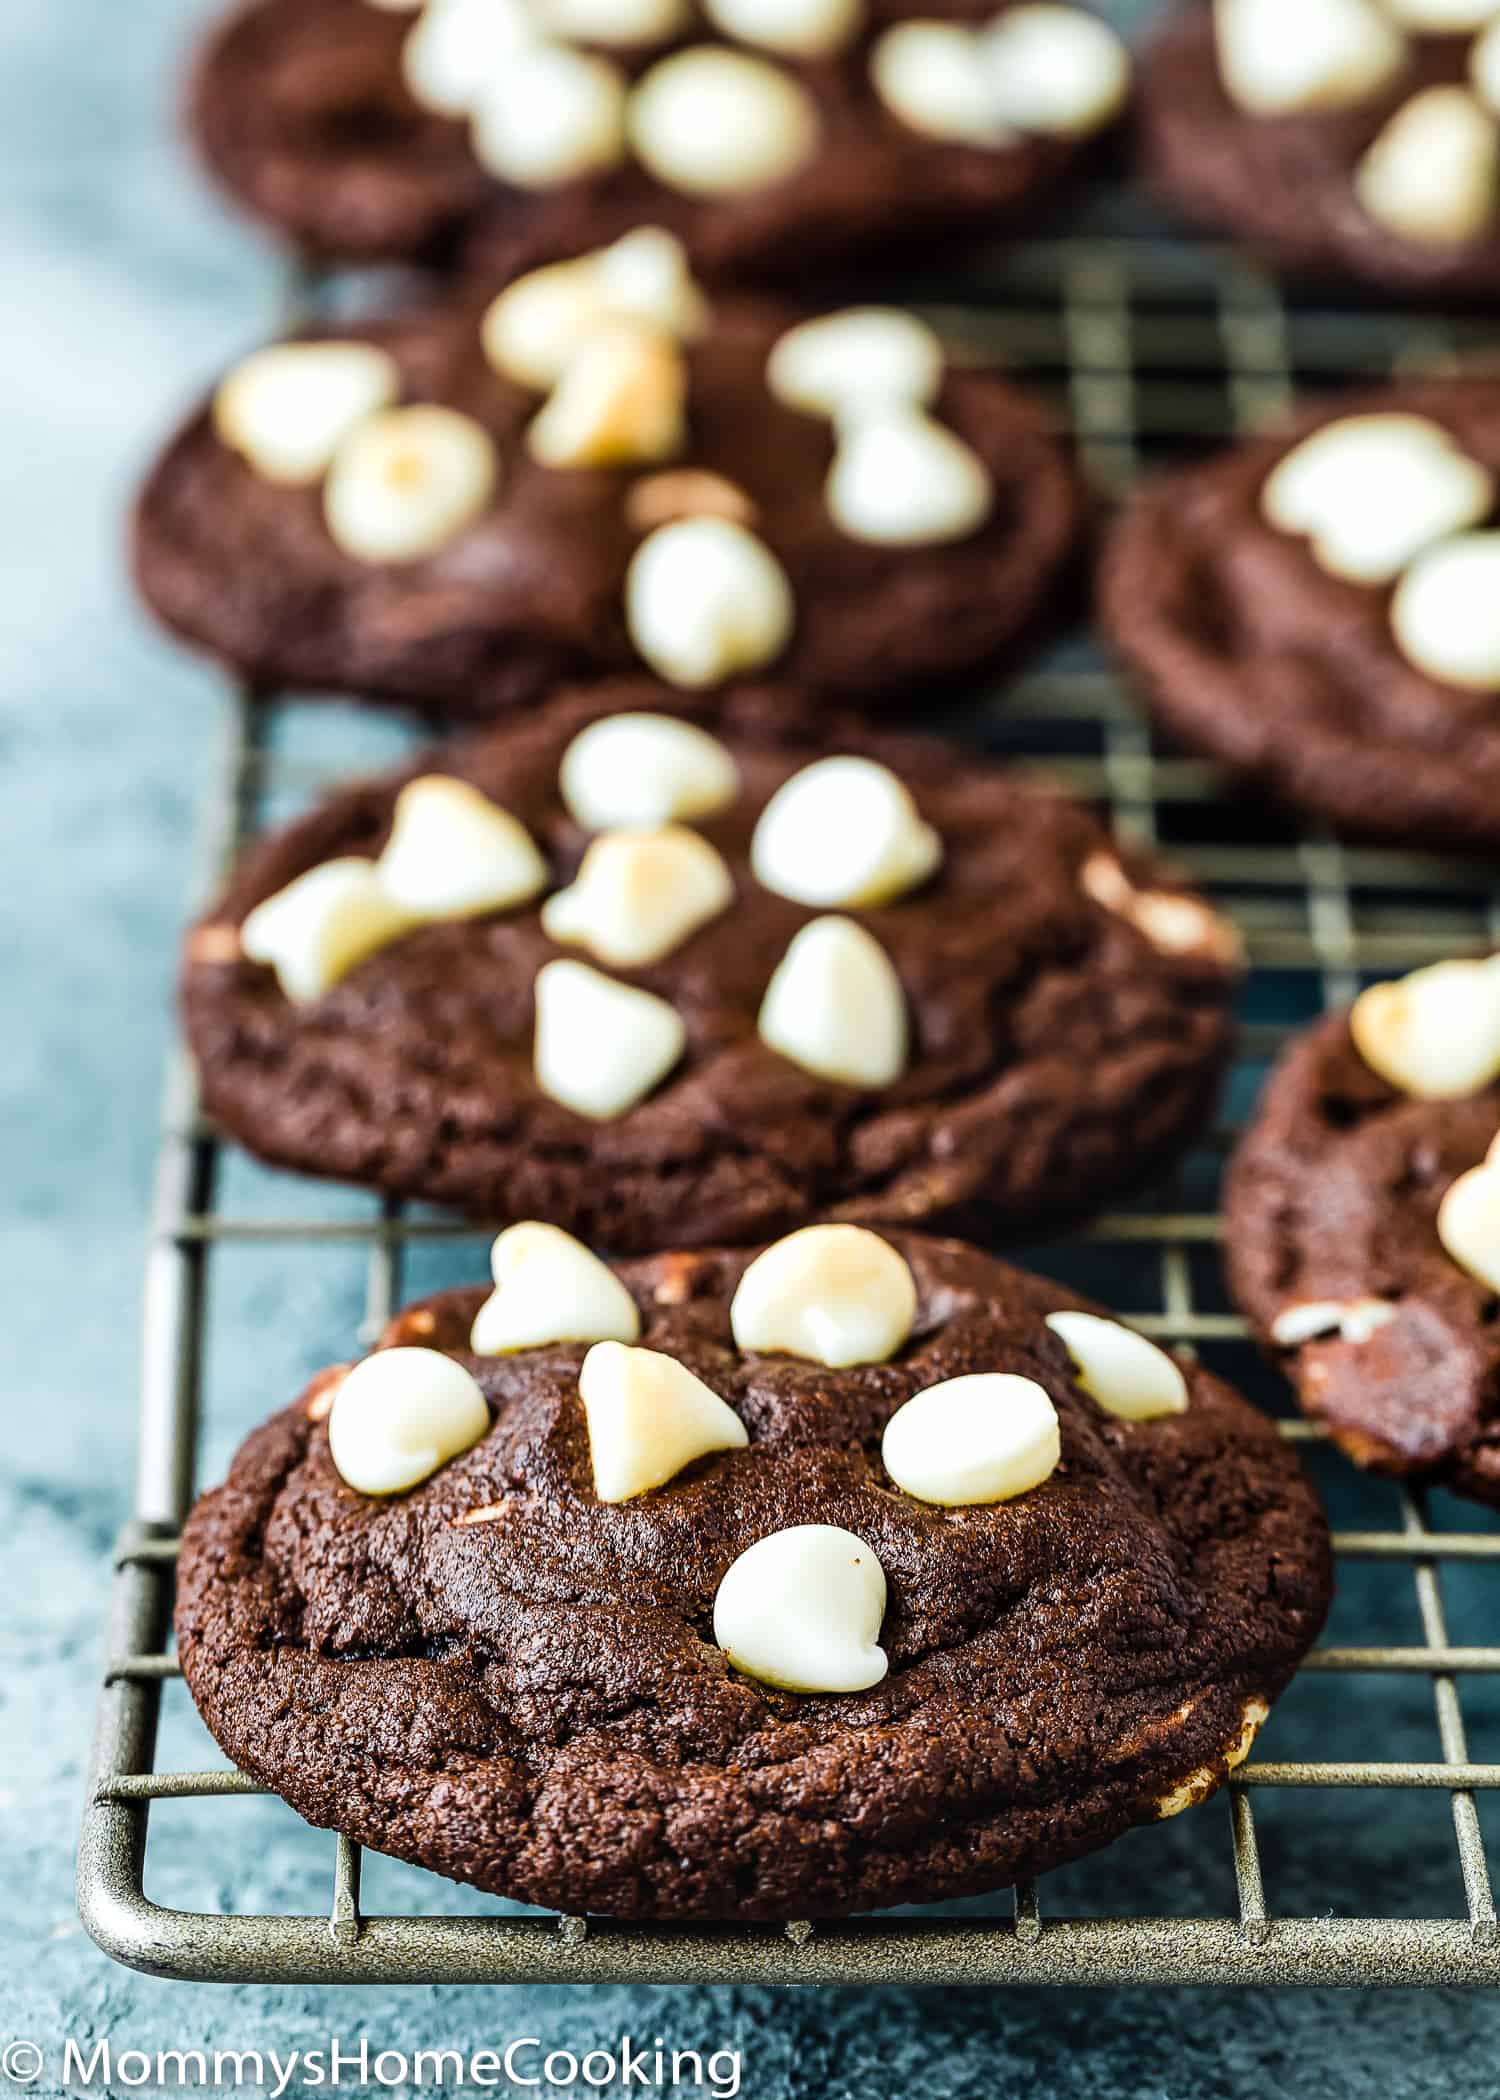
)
(1151, 349)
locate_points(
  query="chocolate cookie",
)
(365, 132)
(918, 987)
(396, 515)
(1317, 610)
(533, 1671)
(1362, 1242)
(1340, 139)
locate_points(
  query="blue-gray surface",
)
(123, 284)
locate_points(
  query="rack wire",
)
(1151, 349)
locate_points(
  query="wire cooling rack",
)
(1322, 1868)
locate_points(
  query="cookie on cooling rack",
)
(1320, 609)
(771, 138)
(455, 508)
(1352, 137)
(1364, 1225)
(857, 1572)
(671, 988)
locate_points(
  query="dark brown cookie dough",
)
(1056, 1052)
(1333, 1199)
(1247, 650)
(533, 1702)
(300, 109)
(531, 593)
(1286, 182)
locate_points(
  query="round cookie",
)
(1066, 1008)
(306, 112)
(522, 1684)
(1350, 1250)
(912, 545)
(1355, 142)
(1344, 651)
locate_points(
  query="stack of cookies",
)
(750, 1550)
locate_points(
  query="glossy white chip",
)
(407, 481)
(287, 409)
(1353, 1321)
(601, 1047)
(801, 1609)
(834, 1294)
(459, 46)
(1446, 612)
(621, 401)
(399, 1416)
(932, 78)
(1435, 1034)
(847, 364)
(835, 1006)
(648, 1417)
(801, 28)
(315, 930)
(452, 852)
(844, 831)
(643, 770)
(714, 122)
(1372, 491)
(983, 1438)
(1127, 1374)
(1055, 70)
(533, 330)
(705, 599)
(550, 1288)
(1433, 174)
(1468, 1220)
(902, 479)
(1279, 56)
(640, 894)
(551, 115)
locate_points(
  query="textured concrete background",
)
(122, 285)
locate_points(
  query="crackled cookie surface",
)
(455, 508)
(770, 140)
(669, 988)
(1354, 138)
(1364, 1225)
(1320, 609)
(775, 1683)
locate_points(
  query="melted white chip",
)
(705, 599)
(408, 481)
(453, 853)
(1468, 1219)
(640, 894)
(1446, 612)
(550, 116)
(287, 409)
(801, 28)
(848, 364)
(901, 479)
(978, 1439)
(1306, 1319)
(1435, 1034)
(399, 1416)
(533, 330)
(844, 831)
(601, 1047)
(931, 76)
(834, 1294)
(1127, 1374)
(648, 1417)
(1279, 56)
(621, 401)
(835, 1006)
(643, 770)
(801, 1609)
(315, 930)
(550, 1288)
(1055, 70)
(1433, 174)
(458, 46)
(714, 122)
(1372, 491)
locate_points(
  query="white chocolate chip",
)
(685, 492)
(287, 409)
(550, 1288)
(622, 400)
(601, 1047)
(932, 78)
(849, 364)
(612, 21)
(1174, 924)
(640, 894)
(453, 853)
(835, 1006)
(1199, 1785)
(1433, 175)
(1308, 1318)
(458, 46)
(408, 481)
(1446, 612)
(1055, 70)
(1444, 17)
(705, 599)
(1128, 1375)
(1279, 56)
(400, 1415)
(901, 479)
(714, 122)
(648, 1417)
(549, 116)
(1435, 1034)
(533, 330)
(801, 1609)
(983, 1438)
(1372, 491)
(801, 28)
(1468, 1220)
(1484, 68)
(642, 770)
(843, 831)
(314, 931)
(833, 1294)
